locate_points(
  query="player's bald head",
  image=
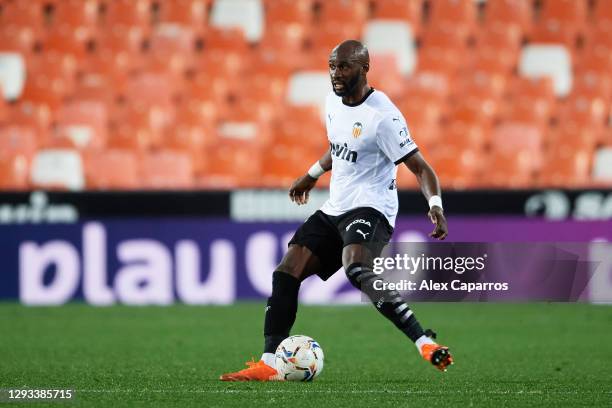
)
(352, 51)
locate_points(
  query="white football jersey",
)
(366, 141)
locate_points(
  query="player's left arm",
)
(430, 186)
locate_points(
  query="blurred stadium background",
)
(203, 94)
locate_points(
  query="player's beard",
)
(349, 87)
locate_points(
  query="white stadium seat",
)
(309, 88)
(554, 61)
(12, 75)
(392, 37)
(602, 164)
(58, 168)
(244, 14)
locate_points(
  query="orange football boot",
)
(437, 355)
(256, 371)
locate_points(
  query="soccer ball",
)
(299, 358)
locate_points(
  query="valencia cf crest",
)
(357, 126)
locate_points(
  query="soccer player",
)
(368, 138)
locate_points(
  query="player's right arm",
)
(300, 189)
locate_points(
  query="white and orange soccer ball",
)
(299, 358)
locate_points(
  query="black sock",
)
(388, 302)
(281, 310)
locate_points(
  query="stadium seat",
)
(58, 169)
(480, 84)
(408, 11)
(288, 11)
(517, 139)
(572, 137)
(24, 14)
(509, 13)
(309, 88)
(565, 168)
(384, 75)
(540, 88)
(223, 40)
(12, 75)
(66, 40)
(581, 111)
(509, 171)
(231, 167)
(191, 13)
(18, 140)
(281, 164)
(130, 136)
(342, 12)
(392, 37)
(166, 169)
(446, 36)
(591, 85)
(127, 13)
(14, 172)
(84, 122)
(112, 169)
(453, 12)
(539, 60)
(552, 31)
(572, 11)
(493, 61)
(457, 168)
(150, 89)
(19, 40)
(301, 126)
(602, 165)
(32, 115)
(602, 12)
(427, 85)
(445, 62)
(327, 36)
(244, 14)
(172, 50)
(500, 37)
(595, 58)
(528, 111)
(465, 135)
(285, 39)
(152, 120)
(475, 109)
(77, 14)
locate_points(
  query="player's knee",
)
(290, 269)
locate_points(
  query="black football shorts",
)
(326, 235)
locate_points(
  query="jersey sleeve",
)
(393, 138)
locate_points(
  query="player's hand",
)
(300, 189)
(436, 215)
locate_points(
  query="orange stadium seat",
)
(385, 75)
(532, 88)
(572, 137)
(581, 111)
(480, 84)
(229, 39)
(280, 166)
(166, 169)
(511, 138)
(32, 115)
(130, 136)
(406, 10)
(82, 14)
(288, 11)
(18, 39)
(235, 166)
(155, 119)
(427, 85)
(65, 39)
(455, 12)
(574, 11)
(344, 12)
(150, 89)
(597, 59)
(457, 168)
(285, 39)
(602, 12)
(127, 13)
(172, 50)
(503, 170)
(446, 36)
(493, 61)
(112, 169)
(14, 172)
(18, 140)
(24, 14)
(509, 12)
(84, 122)
(445, 62)
(301, 126)
(561, 21)
(592, 85)
(122, 39)
(327, 36)
(462, 135)
(552, 31)
(192, 13)
(565, 168)
(475, 109)
(500, 37)
(527, 111)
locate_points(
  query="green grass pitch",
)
(506, 355)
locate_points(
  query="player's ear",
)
(366, 67)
